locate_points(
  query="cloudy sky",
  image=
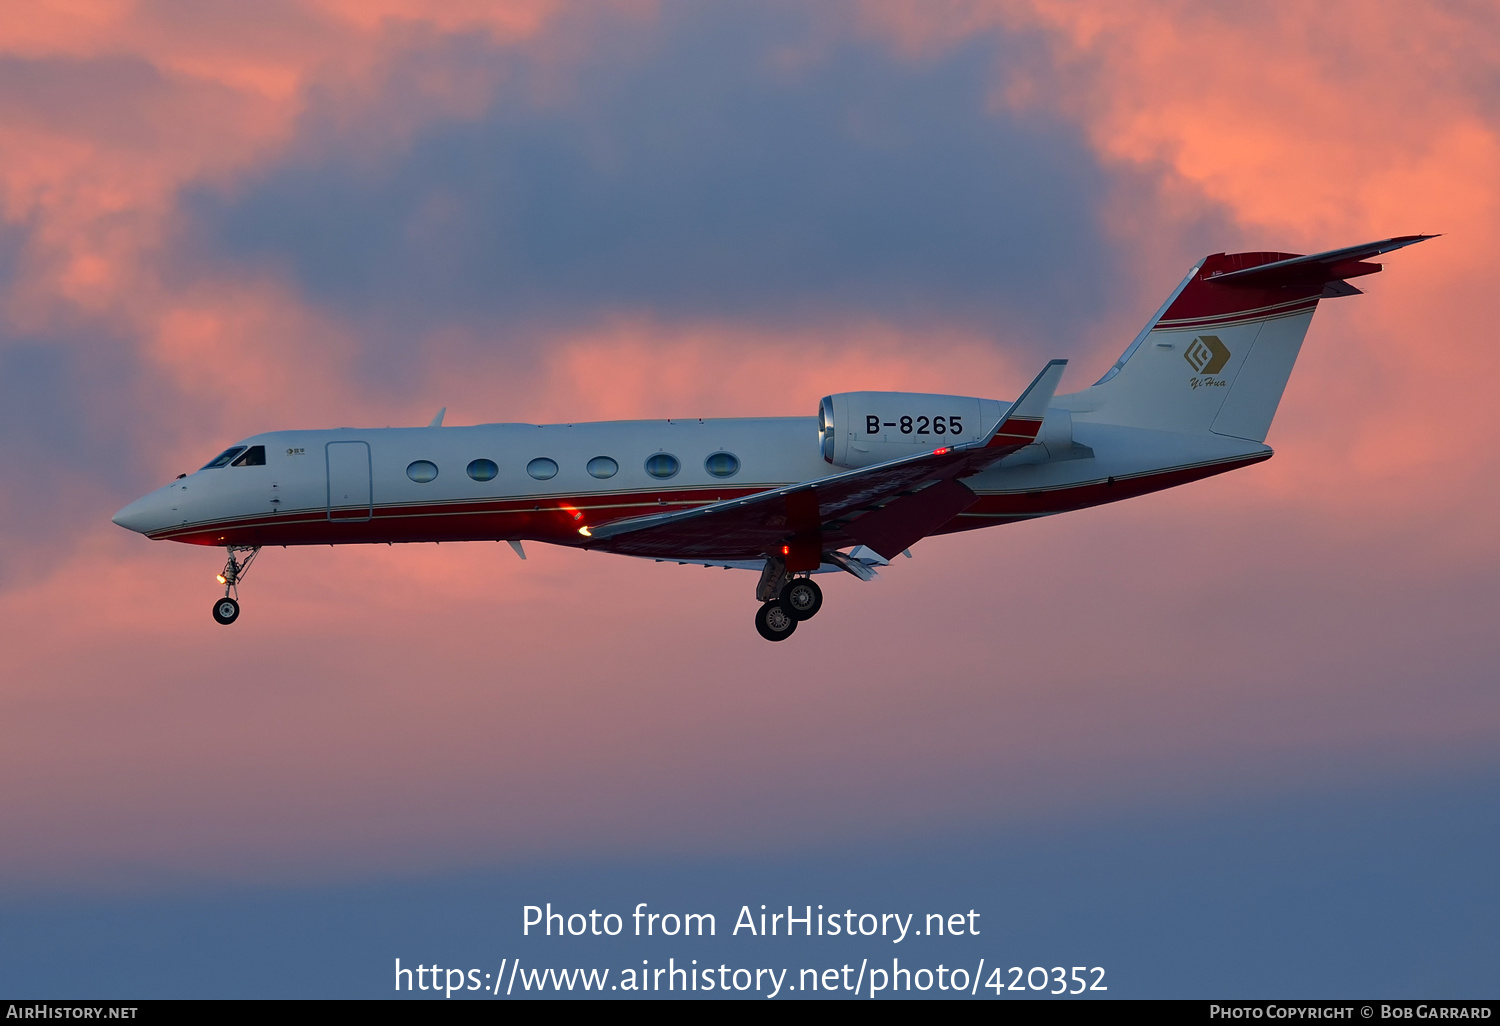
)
(1210, 736)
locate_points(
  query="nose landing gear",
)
(227, 609)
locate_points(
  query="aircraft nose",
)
(144, 515)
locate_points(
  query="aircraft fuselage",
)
(349, 485)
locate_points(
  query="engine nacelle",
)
(857, 429)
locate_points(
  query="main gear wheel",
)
(774, 622)
(802, 598)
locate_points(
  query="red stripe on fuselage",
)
(552, 519)
(549, 518)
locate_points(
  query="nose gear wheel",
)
(227, 609)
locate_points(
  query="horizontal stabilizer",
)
(1312, 271)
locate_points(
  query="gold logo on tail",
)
(1207, 354)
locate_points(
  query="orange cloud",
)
(1310, 136)
(113, 108)
(635, 365)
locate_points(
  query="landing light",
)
(585, 532)
(220, 579)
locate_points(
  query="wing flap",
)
(902, 523)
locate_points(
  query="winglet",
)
(438, 420)
(1023, 421)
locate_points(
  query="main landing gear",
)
(802, 598)
(774, 622)
(227, 609)
(785, 601)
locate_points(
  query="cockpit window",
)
(222, 460)
(255, 456)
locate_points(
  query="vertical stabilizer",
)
(1217, 356)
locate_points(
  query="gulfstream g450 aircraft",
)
(1193, 395)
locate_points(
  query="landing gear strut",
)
(227, 609)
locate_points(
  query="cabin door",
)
(349, 492)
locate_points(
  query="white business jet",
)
(1193, 395)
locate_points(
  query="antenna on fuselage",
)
(438, 420)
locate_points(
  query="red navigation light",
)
(786, 550)
(941, 452)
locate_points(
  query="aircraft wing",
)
(886, 507)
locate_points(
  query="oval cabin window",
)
(542, 468)
(483, 470)
(422, 471)
(722, 464)
(602, 467)
(663, 465)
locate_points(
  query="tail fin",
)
(1217, 355)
